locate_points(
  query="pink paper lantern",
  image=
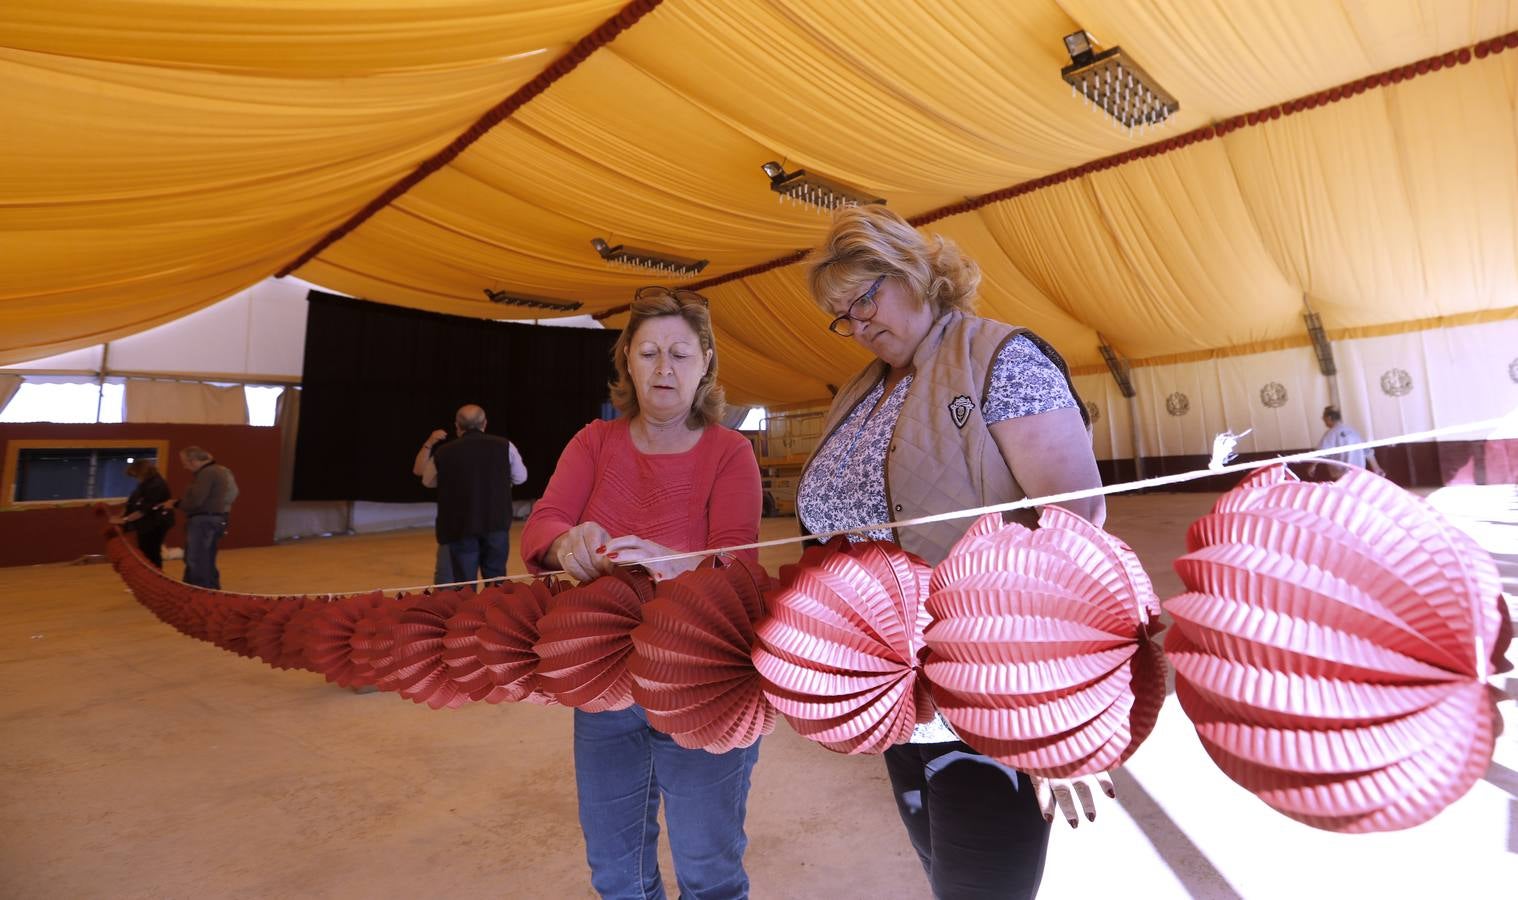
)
(840, 652)
(692, 665)
(1040, 651)
(1333, 648)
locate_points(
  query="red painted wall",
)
(61, 534)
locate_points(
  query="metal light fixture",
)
(1111, 81)
(808, 189)
(1320, 345)
(650, 260)
(509, 299)
(1119, 369)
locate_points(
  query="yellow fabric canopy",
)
(163, 155)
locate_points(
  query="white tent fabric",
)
(185, 403)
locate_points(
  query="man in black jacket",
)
(473, 476)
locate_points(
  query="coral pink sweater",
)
(706, 497)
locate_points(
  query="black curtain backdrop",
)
(378, 379)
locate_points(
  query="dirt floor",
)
(136, 762)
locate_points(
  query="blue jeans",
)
(202, 534)
(484, 553)
(442, 570)
(622, 767)
(974, 822)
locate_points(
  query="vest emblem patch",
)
(960, 408)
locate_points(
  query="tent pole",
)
(105, 359)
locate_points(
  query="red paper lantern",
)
(1333, 649)
(488, 647)
(348, 635)
(416, 668)
(840, 652)
(266, 640)
(231, 621)
(292, 645)
(1040, 651)
(692, 665)
(585, 638)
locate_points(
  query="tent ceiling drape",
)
(160, 160)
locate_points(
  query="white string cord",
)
(1212, 470)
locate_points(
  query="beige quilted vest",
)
(942, 455)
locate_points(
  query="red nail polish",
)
(611, 556)
(601, 549)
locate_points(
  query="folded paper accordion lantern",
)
(1040, 652)
(840, 650)
(489, 642)
(1333, 647)
(692, 666)
(585, 638)
(345, 637)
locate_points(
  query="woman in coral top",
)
(662, 478)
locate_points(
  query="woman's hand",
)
(632, 549)
(1063, 792)
(581, 551)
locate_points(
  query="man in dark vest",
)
(473, 476)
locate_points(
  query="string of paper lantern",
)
(1332, 649)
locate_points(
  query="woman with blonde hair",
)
(955, 412)
(664, 477)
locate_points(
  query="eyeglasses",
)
(862, 309)
(683, 296)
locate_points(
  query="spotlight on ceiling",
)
(509, 299)
(820, 193)
(648, 260)
(1111, 81)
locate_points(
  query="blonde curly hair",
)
(866, 242)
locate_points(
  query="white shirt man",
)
(1341, 435)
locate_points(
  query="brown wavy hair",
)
(866, 242)
(710, 403)
(142, 469)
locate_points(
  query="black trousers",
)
(974, 822)
(150, 542)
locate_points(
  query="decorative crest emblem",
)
(1273, 395)
(960, 408)
(1177, 404)
(1396, 383)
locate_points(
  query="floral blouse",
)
(844, 486)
